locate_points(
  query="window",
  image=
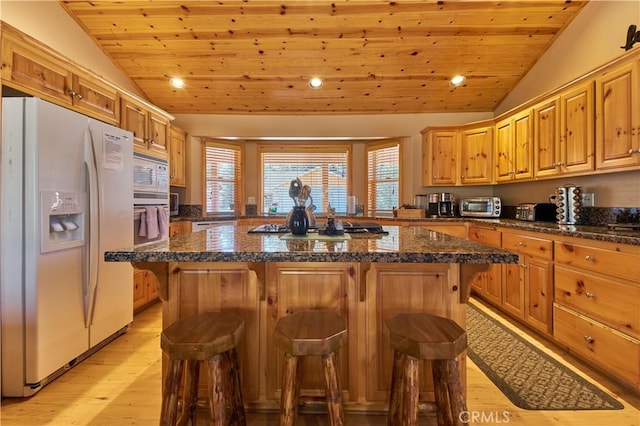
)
(222, 177)
(324, 169)
(383, 173)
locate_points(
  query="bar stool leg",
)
(289, 392)
(333, 390)
(217, 401)
(169, 411)
(238, 417)
(395, 396)
(448, 391)
(189, 413)
(410, 391)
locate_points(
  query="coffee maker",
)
(433, 205)
(445, 205)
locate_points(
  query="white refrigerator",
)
(66, 193)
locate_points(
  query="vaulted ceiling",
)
(375, 56)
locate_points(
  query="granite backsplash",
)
(595, 216)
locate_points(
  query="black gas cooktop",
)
(349, 227)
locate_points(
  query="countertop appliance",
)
(446, 205)
(481, 207)
(67, 190)
(536, 212)
(432, 206)
(174, 203)
(568, 203)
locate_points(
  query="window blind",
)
(383, 173)
(325, 170)
(222, 177)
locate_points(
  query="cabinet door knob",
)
(73, 93)
(589, 295)
(589, 258)
(588, 339)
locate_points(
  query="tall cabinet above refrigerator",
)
(66, 197)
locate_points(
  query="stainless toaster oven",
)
(481, 207)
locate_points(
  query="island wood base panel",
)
(366, 294)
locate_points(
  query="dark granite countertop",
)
(599, 233)
(231, 243)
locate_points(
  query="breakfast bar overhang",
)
(263, 277)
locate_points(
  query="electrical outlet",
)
(588, 199)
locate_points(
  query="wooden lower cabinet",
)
(145, 288)
(292, 287)
(597, 305)
(200, 287)
(610, 350)
(393, 289)
(488, 284)
(527, 288)
(180, 227)
(513, 290)
(365, 294)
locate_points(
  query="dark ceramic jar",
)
(299, 222)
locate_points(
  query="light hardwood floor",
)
(120, 385)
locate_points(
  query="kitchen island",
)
(366, 278)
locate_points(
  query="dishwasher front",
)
(207, 224)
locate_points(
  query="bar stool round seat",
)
(210, 337)
(415, 337)
(315, 332)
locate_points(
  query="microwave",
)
(174, 202)
(481, 207)
(150, 180)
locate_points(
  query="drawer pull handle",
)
(589, 258)
(520, 244)
(589, 295)
(588, 339)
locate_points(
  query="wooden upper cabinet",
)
(26, 67)
(441, 167)
(514, 147)
(158, 128)
(546, 124)
(35, 71)
(97, 99)
(618, 117)
(134, 119)
(150, 130)
(563, 129)
(577, 121)
(523, 145)
(458, 156)
(504, 150)
(476, 156)
(177, 164)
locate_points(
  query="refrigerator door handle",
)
(92, 261)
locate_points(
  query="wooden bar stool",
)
(316, 332)
(212, 337)
(416, 337)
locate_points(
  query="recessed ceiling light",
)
(176, 82)
(315, 83)
(457, 80)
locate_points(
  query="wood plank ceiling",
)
(375, 56)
